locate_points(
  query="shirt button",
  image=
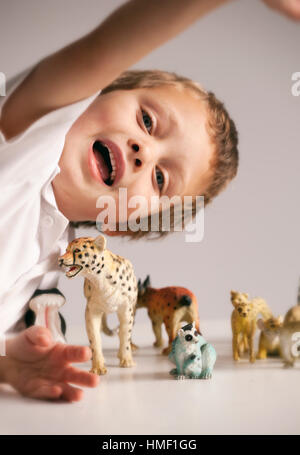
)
(47, 221)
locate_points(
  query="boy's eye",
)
(147, 121)
(159, 178)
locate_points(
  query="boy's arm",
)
(290, 8)
(92, 62)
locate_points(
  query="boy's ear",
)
(100, 242)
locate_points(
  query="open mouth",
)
(72, 270)
(105, 162)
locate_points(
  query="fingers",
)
(76, 354)
(30, 344)
(39, 336)
(79, 377)
(48, 392)
(55, 392)
(71, 393)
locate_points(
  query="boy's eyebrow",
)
(178, 176)
(168, 115)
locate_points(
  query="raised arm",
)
(90, 63)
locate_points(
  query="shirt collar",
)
(51, 209)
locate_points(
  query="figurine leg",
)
(197, 325)
(251, 348)
(134, 347)
(262, 352)
(206, 373)
(191, 317)
(172, 328)
(235, 351)
(285, 350)
(167, 350)
(180, 377)
(288, 364)
(246, 345)
(173, 372)
(241, 345)
(126, 323)
(156, 326)
(93, 325)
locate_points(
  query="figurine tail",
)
(106, 329)
(185, 300)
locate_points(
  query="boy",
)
(53, 128)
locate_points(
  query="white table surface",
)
(242, 398)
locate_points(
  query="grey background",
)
(246, 54)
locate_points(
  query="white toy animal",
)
(290, 334)
(110, 286)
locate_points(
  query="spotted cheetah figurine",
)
(110, 285)
(169, 306)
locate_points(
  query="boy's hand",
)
(39, 368)
(290, 8)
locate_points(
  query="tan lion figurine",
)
(243, 322)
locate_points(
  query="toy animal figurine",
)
(293, 315)
(290, 342)
(290, 335)
(43, 311)
(269, 337)
(169, 306)
(243, 322)
(193, 356)
(110, 285)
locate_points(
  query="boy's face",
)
(163, 146)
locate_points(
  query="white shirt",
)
(33, 232)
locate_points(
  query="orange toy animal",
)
(171, 306)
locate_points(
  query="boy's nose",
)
(143, 153)
(137, 161)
